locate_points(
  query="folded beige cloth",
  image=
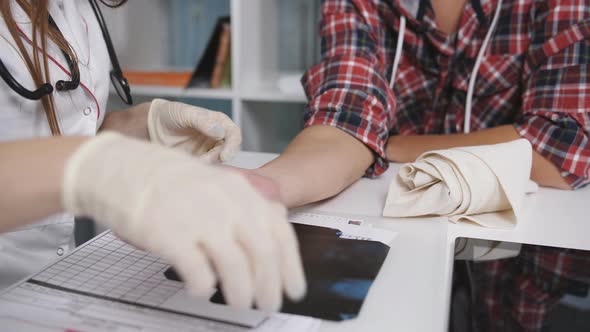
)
(483, 184)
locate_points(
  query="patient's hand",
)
(264, 185)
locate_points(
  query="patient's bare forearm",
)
(319, 163)
(31, 178)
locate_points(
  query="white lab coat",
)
(79, 112)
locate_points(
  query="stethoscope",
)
(473, 76)
(119, 81)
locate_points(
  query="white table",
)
(412, 292)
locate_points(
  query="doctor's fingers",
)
(289, 256)
(256, 238)
(232, 139)
(213, 155)
(215, 150)
(192, 265)
(231, 264)
(178, 116)
(219, 127)
(207, 122)
(200, 146)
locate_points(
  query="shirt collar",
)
(446, 44)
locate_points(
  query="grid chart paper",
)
(108, 284)
(110, 268)
(34, 308)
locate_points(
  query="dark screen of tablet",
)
(535, 288)
(339, 273)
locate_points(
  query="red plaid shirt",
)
(534, 75)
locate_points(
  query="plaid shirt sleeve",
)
(348, 89)
(556, 101)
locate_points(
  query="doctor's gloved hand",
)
(206, 221)
(210, 135)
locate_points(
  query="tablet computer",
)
(339, 273)
(507, 286)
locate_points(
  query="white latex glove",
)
(208, 222)
(210, 135)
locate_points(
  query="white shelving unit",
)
(155, 91)
(269, 117)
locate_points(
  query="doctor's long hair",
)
(37, 62)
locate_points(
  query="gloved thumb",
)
(216, 132)
(214, 155)
(228, 152)
(221, 153)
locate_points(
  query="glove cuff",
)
(153, 121)
(74, 171)
(107, 177)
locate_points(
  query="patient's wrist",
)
(285, 189)
(393, 150)
(267, 186)
(264, 185)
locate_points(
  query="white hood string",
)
(484, 46)
(398, 49)
(472, 78)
